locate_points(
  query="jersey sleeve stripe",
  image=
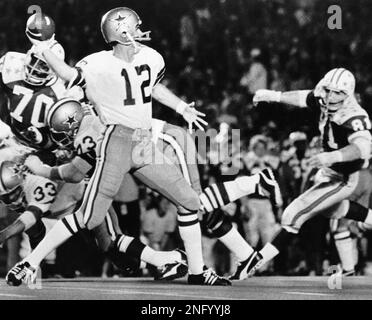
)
(78, 80)
(159, 76)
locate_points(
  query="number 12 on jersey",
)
(129, 100)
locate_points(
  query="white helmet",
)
(122, 25)
(337, 80)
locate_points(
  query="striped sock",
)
(61, 231)
(189, 227)
(218, 195)
(214, 197)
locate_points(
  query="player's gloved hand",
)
(325, 159)
(37, 167)
(264, 95)
(40, 46)
(48, 42)
(191, 115)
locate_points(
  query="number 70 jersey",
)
(121, 91)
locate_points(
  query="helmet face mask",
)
(333, 99)
(37, 71)
(64, 140)
(335, 87)
(64, 120)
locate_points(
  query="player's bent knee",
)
(191, 202)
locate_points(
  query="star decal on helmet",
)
(17, 170)
(70, 121)
(120, 20)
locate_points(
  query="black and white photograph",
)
(185, 154)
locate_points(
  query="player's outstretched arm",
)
(295, 98)
(67, 172)
(61, 68)
(24, 222)
(162, 94)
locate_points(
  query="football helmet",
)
(335, 87)
(122, 25)
(11, 179)
(64, 119)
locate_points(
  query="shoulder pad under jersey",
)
(13, 67)
(349, 110)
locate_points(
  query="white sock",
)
(159, 258)
(241, 186)
(191, 236)
(236, 244)
(345, 249)
(268, 252)
(53, 239)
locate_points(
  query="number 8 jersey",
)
(27, 104)
(121, 91)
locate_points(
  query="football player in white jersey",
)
(212, 198)
(344, 126)
(120, 84)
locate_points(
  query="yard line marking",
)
(15, 295)
(131, 292)
(309, 293)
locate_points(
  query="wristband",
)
(181, 106)
(55, 174)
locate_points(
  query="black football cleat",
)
(208, 278)
(244, 267)
(21, 272)
(256, 262)
(269, 187)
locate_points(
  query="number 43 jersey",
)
(340, 128)
(119, 90)
(27, 105)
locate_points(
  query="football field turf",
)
(258, 288)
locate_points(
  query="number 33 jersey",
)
(340, 128)
(27, 105)
(121, 91)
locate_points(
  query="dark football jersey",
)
(27, 105)
(336, 129)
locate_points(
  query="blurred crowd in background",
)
(218, 53)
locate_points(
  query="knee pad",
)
(191, 202)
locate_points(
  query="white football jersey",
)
(39, 192)
(121, 91)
